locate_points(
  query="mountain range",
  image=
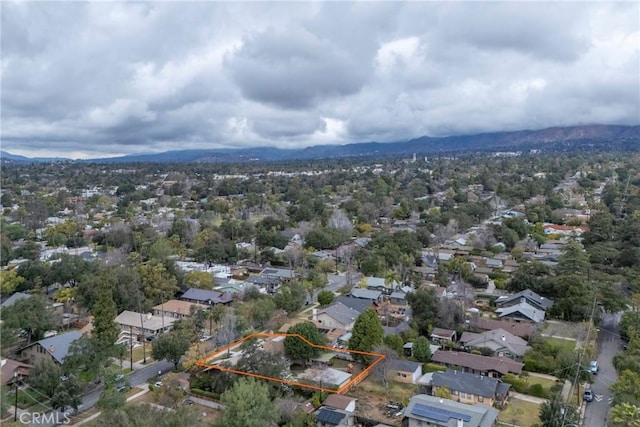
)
(599, 137)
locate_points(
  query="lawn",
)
(138, 355)
(520, 413)
(567, 345)
(544, 382)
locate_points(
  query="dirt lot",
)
(567, 330)
(207, 413)
(373, 399)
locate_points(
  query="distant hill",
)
(601, 137)
(14, 158)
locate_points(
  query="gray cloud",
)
(107, 78)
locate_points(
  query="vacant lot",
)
(520, 413)
(567, 330)
(373, 398)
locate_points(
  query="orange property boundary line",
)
(343, 389)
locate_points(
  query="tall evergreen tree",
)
(367, 333)
(105, 330)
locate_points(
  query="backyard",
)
(373, 398)
(519, 413)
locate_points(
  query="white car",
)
(594, 367)
(158, 384)
(205, 338)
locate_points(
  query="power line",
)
(584, 348)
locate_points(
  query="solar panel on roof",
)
(438, 414)
(327, 416)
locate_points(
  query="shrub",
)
(433, 367)
(537, 390)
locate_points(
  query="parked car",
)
(205, 338)
(588, 395)
(158, 384)
(121, 388)
(594, 367)
(119, 378)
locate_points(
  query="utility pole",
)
(15, 403)
(131, 346)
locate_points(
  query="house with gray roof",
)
(494, 367)
(358, 304)
(521, 312)
(53, 349)
(206, 297)
(470, 388)
(425, 410)
(369, 294)
(405, 371)
(329, 417)
(13, 298)
(501, 342)
(526, 296)
(337, 315)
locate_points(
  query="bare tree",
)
(385, 366)
(340, 220)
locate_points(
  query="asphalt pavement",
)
(608, 344)
(137, 377)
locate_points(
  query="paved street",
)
(608, 342)
(136, 378)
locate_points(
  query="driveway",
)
(608, 343)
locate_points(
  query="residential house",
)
(522, 330)
(499, 341)
(368, 294)
(342, 402)
(13, 298)
(424, 410)
(405, 371)
(358, 304)
(565, 230)
(53, 349)
(527, 296)
(380, 284)
(441, 335)
(177, 309)
(399, 296)
(327, 417)
(523, 306)
(493, 367)
(280, 275)
(206, 297)
(270, 285)
(470, 388)
(337, 315)
(13, 370)
(148, 325)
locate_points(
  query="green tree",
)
(105, 330)
(247, 404)
(421, 350)
(45, 377)
(626, 387)
(290, 298)
(296, 348)
(625, 415)
(556, 413)
(9, 281)
(158, 284)
(149, 416)
(199, 279)
(394, 342)
(325, 297)
(68, 393)
(30, 315)
(171, 346)
(424, 306)
(367, 332)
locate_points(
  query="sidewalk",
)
(527, 398)
(145, 389)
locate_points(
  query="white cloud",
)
(121, 77)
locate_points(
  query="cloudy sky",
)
(109, 78)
